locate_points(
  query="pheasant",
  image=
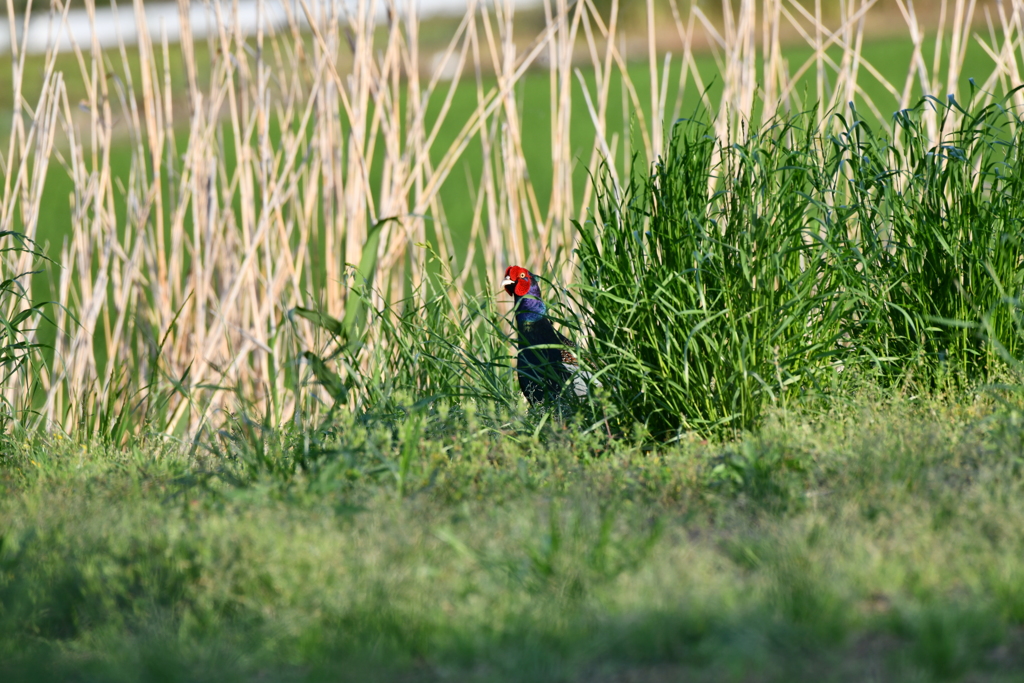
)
(543, 372)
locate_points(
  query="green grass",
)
(877, 536)
(818, 247)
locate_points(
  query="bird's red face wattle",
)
(517, 281)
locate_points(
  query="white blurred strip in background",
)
(44, 28)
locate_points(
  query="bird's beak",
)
(507, 281)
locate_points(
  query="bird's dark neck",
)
(530, 308)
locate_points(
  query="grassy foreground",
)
(877, 537)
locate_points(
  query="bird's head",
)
(518, 281)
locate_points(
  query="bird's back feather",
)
(546, 365)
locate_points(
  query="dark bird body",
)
(545, 365)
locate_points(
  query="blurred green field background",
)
(892, 56)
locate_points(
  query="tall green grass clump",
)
(418, 368)
(18, 315)
(424, 349)
(734, 277)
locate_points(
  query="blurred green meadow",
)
(532, 92)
